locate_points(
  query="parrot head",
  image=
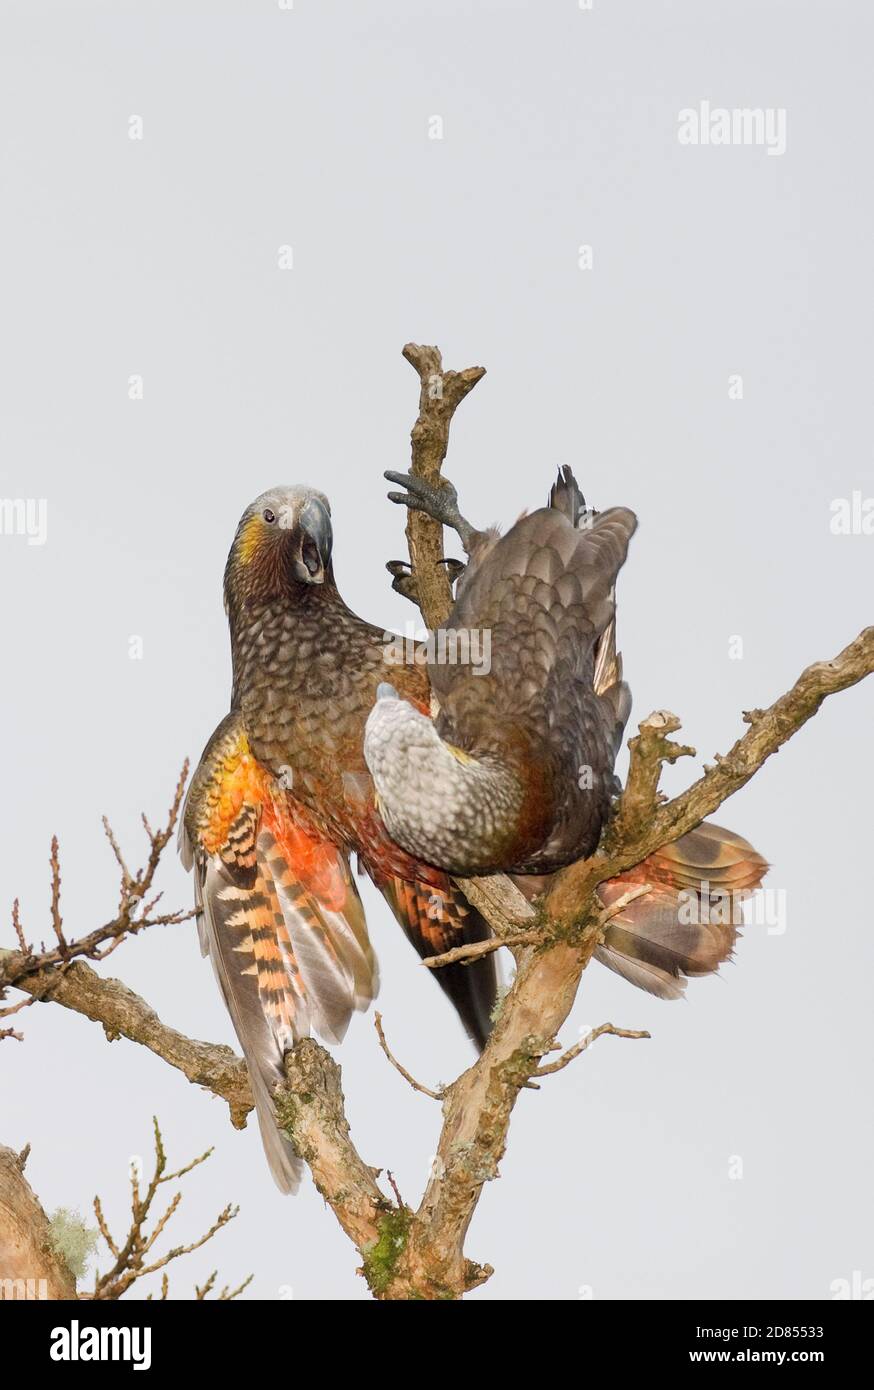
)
(283, 543)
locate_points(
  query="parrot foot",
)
(454, 568)
(440, 502)
(404, 581)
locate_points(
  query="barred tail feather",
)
(232, 925)
(687, 925)
(286, 964)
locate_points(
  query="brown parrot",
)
(514, 773)
(284, 793)
(282, 798)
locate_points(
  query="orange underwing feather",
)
(280, 919)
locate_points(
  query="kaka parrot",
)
(320, 758)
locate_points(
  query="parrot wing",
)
(281, 920)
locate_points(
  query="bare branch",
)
(130, 1258)
(394, 1187)
(439, 397)
(133, 915)
(227, 1295)
(57, 920)
(124, 1014)
(310, 1110)
(416, 1085)
(631, 895)
(645, 825)
(464, 954)
(586, 1042)
(19, 932)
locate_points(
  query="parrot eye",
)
(268, 515)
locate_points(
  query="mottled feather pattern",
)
(544, 592)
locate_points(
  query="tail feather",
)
(287, 962)
(688, 923)
(435, 919)
(234, 928)
(565, 496)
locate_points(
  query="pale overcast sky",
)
(731, 1155)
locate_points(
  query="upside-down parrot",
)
(315, 763)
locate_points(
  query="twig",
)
(57, 920)
(481, 948)
(130, 1265)
(631, 895)
(587, 1041)
(227, 1295)
(19, 931)
(133, 916)
(416, 1085)
(394, 1187)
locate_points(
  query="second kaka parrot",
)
(283, 795)
(514, 774)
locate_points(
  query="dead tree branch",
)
(135, 912)
(586, 1042)
(440, 395)
(131, 1256)
(416, 1085)
(124, 1014)
(463, 954)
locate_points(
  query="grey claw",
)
(455, 568)
(403, 580)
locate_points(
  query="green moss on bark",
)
(381, 1258)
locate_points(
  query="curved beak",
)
(315, 539)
